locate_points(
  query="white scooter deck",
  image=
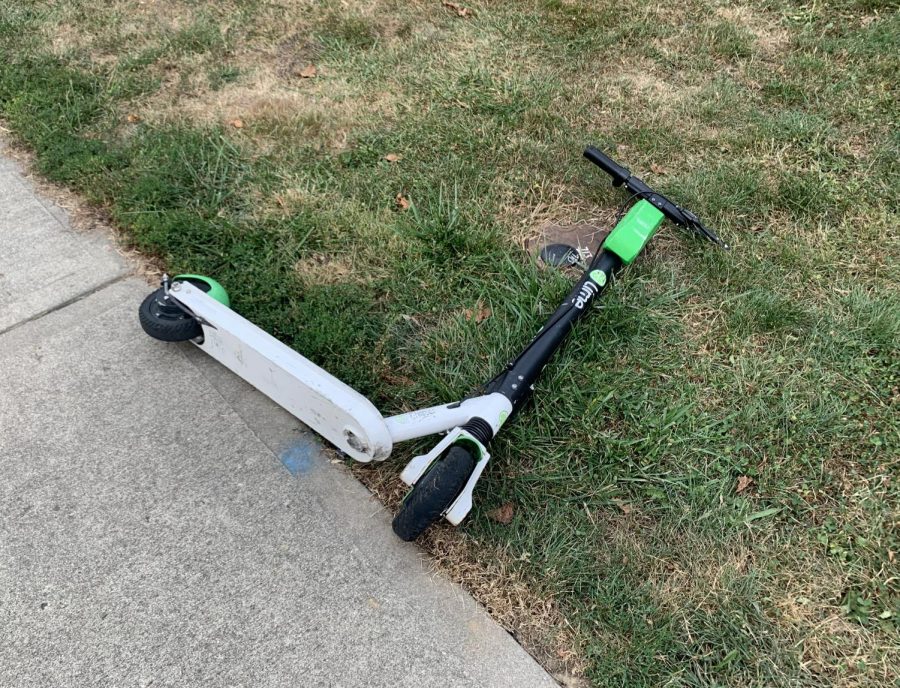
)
(332, 408)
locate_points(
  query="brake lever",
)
(680, 216)
(693, 222)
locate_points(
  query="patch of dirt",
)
(295, 53)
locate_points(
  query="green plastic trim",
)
(216, 290)
(598, 276)
(634, 230)
(469, 441)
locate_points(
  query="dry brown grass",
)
(138, 23)
(265, 104)
(770, 39)
(549, 210)
(321, 268)
(808, 598)
(269, 54)
(643, 77)
(806, 592)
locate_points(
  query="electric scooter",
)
(196, 308)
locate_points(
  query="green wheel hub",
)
(216, 290)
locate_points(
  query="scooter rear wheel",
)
(435, 491)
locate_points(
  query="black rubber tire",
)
(166, 326)
(434, 493)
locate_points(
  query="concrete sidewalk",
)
(162, 523)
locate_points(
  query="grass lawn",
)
(705, 488)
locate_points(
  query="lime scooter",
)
(196, 308)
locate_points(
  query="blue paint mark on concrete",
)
(299, 456)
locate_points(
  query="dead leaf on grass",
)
(626, 508)
(658, 169)
(308, 72)
(743, 482)
(479, 315)
(133, 118)
(503, 514)
(396, 379)
(393, 157)
(461, 11)
(237, 123)
(402, 202)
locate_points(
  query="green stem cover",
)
(633, 231)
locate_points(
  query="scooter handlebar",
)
(618, 173)
(622, 175)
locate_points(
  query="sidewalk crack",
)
(67, 302)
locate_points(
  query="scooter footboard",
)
(332, 408)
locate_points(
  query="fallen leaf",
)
(743, 483)
(133, 119)
(658, 169)
(480, 315)
(393, 157)
(461, 11)
(503, 514)
(237, 123)
(626, 508)
(402, 202)
(308, 72)
(621, 150)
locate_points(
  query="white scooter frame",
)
(329, 406)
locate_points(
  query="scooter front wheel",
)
(163, 319)
(434, 492)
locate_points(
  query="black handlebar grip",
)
(618, 173)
